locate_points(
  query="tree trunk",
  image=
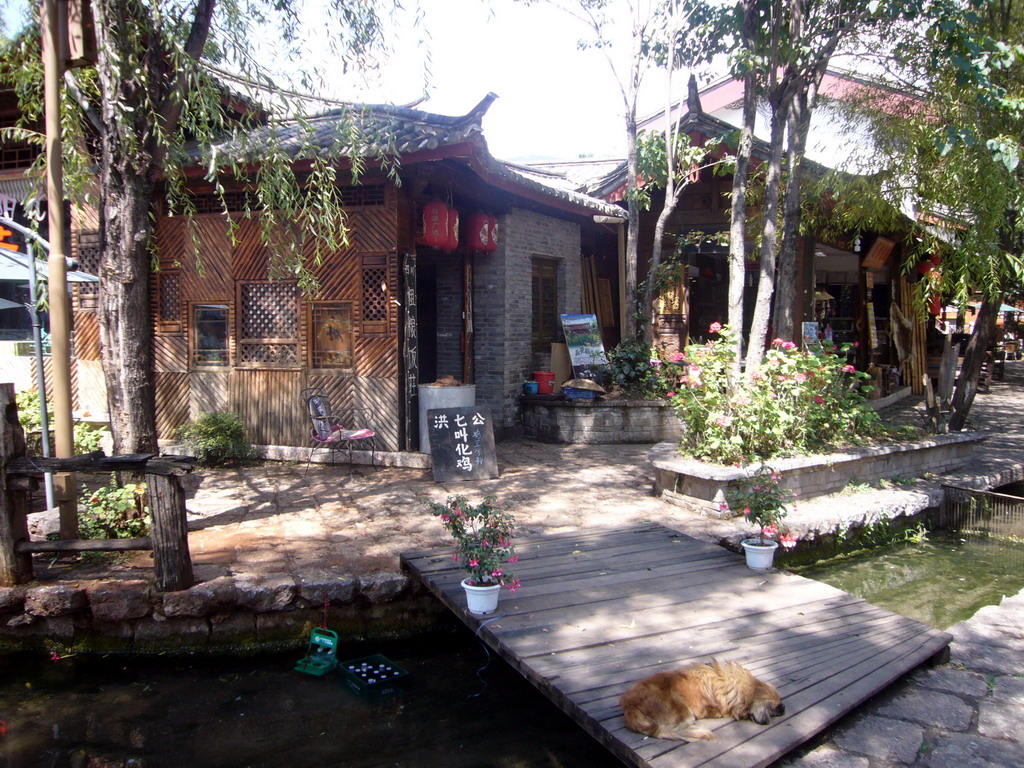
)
(769, 239)
(127, 184)
(632, 230)
(786, 287)
(974, 356)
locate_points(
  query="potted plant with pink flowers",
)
(764, 501)
(483, 547)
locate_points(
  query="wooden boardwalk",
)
(601, 609)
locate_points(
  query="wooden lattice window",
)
(376, 294)
(88, 253)
(545, 303)
(168, 300)
(330, 331)
(268, 333)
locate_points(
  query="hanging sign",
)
(586, 350)
(462, 444)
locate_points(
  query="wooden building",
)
(391, 312)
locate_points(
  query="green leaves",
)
(1005, 150)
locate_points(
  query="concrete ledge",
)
(703, 486)
(550, 419)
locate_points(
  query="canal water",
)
(940, 581)
(201, 712)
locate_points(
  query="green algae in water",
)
(940, 581)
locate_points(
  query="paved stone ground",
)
(274, 519)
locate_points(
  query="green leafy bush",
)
(87, 437)
(640, 370)
(114, 512)
(218, 437)
(798, 401)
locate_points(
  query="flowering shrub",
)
(797, 402)
(115, 512)
(763, 501)
(483, 538)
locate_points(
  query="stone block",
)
(179, 632)
(987, 658)
(120, 600)
(384, 586)
(289, 628)
(264, 594)
(972, 751)
(203, 599)
(1007, 688)
(953, 680)
(827, 756)
(55, 600)
(317, 586)
(930, 708)
(883, 739)
(12, 599)
(234, 629)
(1001, 720)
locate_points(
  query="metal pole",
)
(60, 311)
(37, 342)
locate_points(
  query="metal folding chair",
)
(331, 431)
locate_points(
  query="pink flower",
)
(723, 507)
(788, 540)
(670, 394)
(819, 399)
(497, 573)
(455, 556)
(513, 585)
(757, 376)
(800, 378)
(474, 563)
(777, 342)
(676, 357)
(446, 518)
(746, 511)
(514, 559)
(654, 362)
(856, 344)
(723, 421)
(715, 327)
(770, 530)
(789, 345)
(848, 369)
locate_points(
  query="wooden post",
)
(170, 532)
(15, 567)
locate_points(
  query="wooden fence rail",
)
(169, 540)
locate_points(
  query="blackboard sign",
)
(462, 443)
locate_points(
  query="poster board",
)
(810, 336)
(462, 444)
(586, 350)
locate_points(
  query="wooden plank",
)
(87, 545)
(602, 609)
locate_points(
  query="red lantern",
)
(478, 232)
(924, 267)
(435, 224)
(452, 241)
(936, 259)
(493, 236)
(935, 305)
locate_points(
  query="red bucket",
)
(545, 382)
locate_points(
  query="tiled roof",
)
(373, 129)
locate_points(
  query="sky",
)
(555, 101)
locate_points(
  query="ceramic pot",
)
(481, 600)
(759, 556)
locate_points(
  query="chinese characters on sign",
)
(462, 444)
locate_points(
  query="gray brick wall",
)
(449, 317)
(503, 306)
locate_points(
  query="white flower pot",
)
(481, 600)
(759, 556)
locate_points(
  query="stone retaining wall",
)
(703, 487)
(226, 613)
(554, 420)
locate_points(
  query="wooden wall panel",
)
(376, 357)
(374, 229)
(268, 402)
(249, 256)
(380, 399)
(48, 379)
(170, 240)
(207, 392)
(338, 275)
(171, 403)
(170, 354)
(87, 336)
(213, 283)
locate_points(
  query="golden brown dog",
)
(667, 705)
